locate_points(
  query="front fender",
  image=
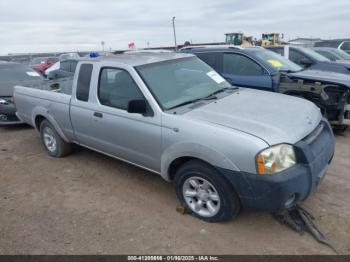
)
(41, 111)
(190, 149)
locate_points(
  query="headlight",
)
(275, 159)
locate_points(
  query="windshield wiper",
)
(186, 103)
(291, 71)
(208, 97)
(212, 95)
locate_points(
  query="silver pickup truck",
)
(223, 147)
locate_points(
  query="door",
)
(132, 137)
(240, 70)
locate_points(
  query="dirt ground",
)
(88, 203)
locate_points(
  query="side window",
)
(117, 88)
(84, 79)
(236, 64)
(73, 66)
(209, 58)
(297, 57)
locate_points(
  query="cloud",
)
(67, 25)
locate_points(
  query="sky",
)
(30, 26)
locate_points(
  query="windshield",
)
(328, 44)
(235, 39)
(269, 37)
(277, 61)
(179, 81)
(342, 54)
(314, 55)
(329, 54)
(68, 56)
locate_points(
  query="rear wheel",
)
(205, 193)
(53, 143)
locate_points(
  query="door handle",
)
(99, 115)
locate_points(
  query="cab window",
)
(84, 80)
(117, 88)
(236, 64)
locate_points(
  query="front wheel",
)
(205, 193)
(53, 143)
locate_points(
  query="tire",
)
(54, 145)
(212, 188)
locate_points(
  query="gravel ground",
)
(88, 203)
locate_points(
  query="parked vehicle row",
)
(258, 68)
(64, 68)
(223, 147)
(338, 44)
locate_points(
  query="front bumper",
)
(275, 192)
(10, 120)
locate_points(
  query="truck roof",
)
(139, 58)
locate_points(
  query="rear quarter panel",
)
(31, 103)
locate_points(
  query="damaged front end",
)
(333, 99)
(8, 112)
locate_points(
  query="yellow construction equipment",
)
(271, 39)
(238, 39)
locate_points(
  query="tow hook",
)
(301, 221)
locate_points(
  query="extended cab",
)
(223, 147)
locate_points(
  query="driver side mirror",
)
(137, 106)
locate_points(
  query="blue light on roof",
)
(94, 54)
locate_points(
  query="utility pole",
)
(103, 46)
(174, 33)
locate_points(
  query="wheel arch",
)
(179, 154)
(41, 114)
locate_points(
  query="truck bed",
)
(51, 98)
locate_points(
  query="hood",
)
(344, 62)
(332, 66)
(6, 87)
(273, 117)
(324, 76)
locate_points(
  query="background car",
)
(333, 54)
(40, 64)
(65, 68)
(258, 68)
(54, 67)
(308, 58)
(12, 74)
(69, 56)
(339, 44)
